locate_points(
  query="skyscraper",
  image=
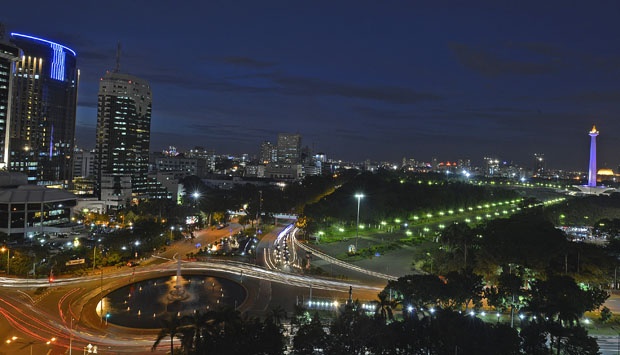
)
(9, 54)
(267, 152)
(43, 109)
(123, 130)
(289, 148)
(539, 164)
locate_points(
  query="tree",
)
(350, 331)
(579, 343)
(525, 239)
(385, 307)
(462, 288)
(310, 338)
(418, 291)
(458, 237)
(561, 302)
(200, 327)
(506, 294)
(171, 327)
(278, 314)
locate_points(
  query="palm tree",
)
(385, 307)
(171, 327)
(278, 314)
(200, 326)
(229, 320)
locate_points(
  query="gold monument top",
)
(593, 131)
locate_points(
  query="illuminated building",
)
(42, 122)
(289, 148)
(9, 54)
(201, 153)
(123, 132)
(27, 210)
(268, 153)
(539, 164)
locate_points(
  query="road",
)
(34, 311)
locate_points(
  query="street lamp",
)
(15, 340)
(357, 226)
(171, 230)
(8, 259)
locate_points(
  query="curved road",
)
(63, 313)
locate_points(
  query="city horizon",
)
(358, 82)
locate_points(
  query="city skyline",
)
(357, 80)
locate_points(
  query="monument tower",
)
(592, 171)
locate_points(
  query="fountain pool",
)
(142, 304)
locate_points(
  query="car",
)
(133, 263)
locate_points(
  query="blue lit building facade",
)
(43, 111)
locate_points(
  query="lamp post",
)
(171, 230)
(357, 226)
(8, 259)
(196, 196)
(16, 340)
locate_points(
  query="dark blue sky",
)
(358, 79)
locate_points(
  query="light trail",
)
(340, 262)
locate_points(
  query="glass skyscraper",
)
(43, 111)
(9, 54)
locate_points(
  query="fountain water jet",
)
(178, 293)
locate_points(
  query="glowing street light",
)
(8, 259)
(196, 196)
(357, 229)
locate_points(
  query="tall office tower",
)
(42, 124)
(84, 163)
(9, 55)
(539, 164)
(592, 171)
(123, 130)
(202, 153)
(289, 148)
(266, 152)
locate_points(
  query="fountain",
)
(164, 296)
(178, 293)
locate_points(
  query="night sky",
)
(378, 80)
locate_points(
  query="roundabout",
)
(143, 304)
(70, 309)
(119, 310)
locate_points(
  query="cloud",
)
(317, 87)
(490, 64)
(296, 86)
(247, 62)
(605, 64)
(593, 97)
(540, 48)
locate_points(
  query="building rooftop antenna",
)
(118, 57)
